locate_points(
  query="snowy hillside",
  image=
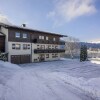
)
(57, 80)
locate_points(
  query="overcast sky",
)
(77, 18)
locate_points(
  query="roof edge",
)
(30, 29)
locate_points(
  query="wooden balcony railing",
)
(49, 50)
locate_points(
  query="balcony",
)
(48, 42)
(49, 50)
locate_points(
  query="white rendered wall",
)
(36, 56)
(21, 51)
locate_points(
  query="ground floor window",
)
(54, 55)
(16, 46)
(26, 46)
(47, 55)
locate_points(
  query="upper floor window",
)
(46, 37)
(54, 39)
(24, 35)
(41, 37)
(17, 35)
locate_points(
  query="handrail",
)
(49, 50)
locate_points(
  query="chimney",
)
(23, 25)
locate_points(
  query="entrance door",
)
(2, 43)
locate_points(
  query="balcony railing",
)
(48, 42)
(49, 50)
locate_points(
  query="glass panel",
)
(13, 46)
(24, 35)
(17, 46)
(17, 35)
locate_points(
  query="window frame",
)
(24, 37)
(24, 46)
(42, 37)
(17, 47)
(47, 38)
(13, 46)
(54, 39)
(47, 55)
(16, 35)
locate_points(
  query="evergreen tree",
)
(83, 53)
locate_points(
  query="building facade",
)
(25, 45)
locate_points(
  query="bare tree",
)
(72, 46)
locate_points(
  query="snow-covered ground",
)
(57, 80)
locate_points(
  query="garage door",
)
(20, 59)
(25, 59)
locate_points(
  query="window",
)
(17, 35)
(54, 55)
(54, 39)
(28, 46)
(24, 35)
(42, 46)
(38, 46)
(49, 46)
(42, 37)
(56, 47)
(24, 46)
(47, 55)
(46, 37)
(13, 46)
(16, 46)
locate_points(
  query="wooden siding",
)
(36, 35)
(12, 38)
(33, 37)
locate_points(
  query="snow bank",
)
(7, 70)
(8, 65)
(91, 86)
(95, 62)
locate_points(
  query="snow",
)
(57, 80)
(95, 60)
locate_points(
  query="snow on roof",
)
(29, 29)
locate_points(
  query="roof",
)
(29, 29)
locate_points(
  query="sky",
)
(76, 18)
